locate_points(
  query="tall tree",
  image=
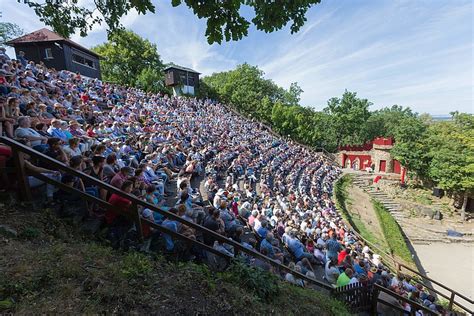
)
(130, 59)
(410, 145)
(349, 115)
(385, 121)
(451, 150)
(248, 91)
(9, 31)
(225, 19)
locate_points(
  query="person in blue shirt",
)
(267, 247)
(298, 250)
(171, 225)
(55, 130)
(333, 247)
(262, 231)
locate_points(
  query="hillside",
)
(52, 267)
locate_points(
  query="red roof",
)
(45, 35)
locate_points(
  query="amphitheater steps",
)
(395, 209)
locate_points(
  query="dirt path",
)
(364, 217)
(360, 206)
(450, 264)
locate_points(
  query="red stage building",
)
(375, 155)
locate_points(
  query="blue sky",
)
(411, 53)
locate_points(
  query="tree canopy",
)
(225, 19)
(451, 153)
(346, 120)
(246, 88)
(131, 60)
(9, 31)
(348, 115)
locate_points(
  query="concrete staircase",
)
(415, 233)
(364, 182)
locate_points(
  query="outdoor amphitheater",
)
(171, 198)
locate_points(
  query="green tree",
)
(152, 80)
(348, 117)
(225, 19)
(129, 59)
(385, 121)
(246, 89)
(293, 95)
(451, 150)
(410, 146)
(9, 31)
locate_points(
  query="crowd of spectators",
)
(267, 193)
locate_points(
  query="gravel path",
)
(450, 264)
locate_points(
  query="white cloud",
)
(410, 53)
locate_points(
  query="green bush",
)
(135, 264)
(263, 284)
(30, 233)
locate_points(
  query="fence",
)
(19, 150)
(396, 266)
(349, 295)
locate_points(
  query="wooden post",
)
(22, 177)
(375, 299)
(138, 222)
(451, 300)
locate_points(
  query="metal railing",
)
(19, 150)
(395, 266)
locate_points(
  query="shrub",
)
(30, 233)
(135, 264)
(263, 284)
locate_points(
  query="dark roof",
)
(181, 68)
(45, 35)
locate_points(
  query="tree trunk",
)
(463, 209)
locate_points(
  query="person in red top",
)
(90, 131)
(84, 98)
(119, 204)
(342, 255)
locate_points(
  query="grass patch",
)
(342, 197)
(393, 234)
(367, 234)
(343, 203)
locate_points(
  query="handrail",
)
(402, 298)
(107, 205)
(25, 149)
(399, 265)
(452, 292)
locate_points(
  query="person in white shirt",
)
(25, 131)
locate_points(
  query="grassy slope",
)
(393, 233)
(343, 203)
(52, 268)
(394, 242)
